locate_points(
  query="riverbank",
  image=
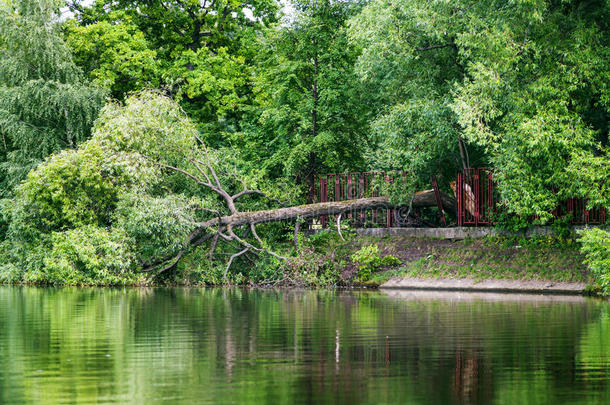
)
(325, 260)
(486, 286)
(493, 263)
(496, 257)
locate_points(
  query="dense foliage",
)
(269, 101)
(45, 103)
(101, 209)
(200, 52)
(596, 247)
(313, 113)
(522, 86)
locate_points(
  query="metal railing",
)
(351, 186)
(475, 192)
(478, 202)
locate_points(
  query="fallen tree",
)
(223, 227)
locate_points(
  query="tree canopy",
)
(45, 103)
(312, 112)
(199, 51)
(523, 85)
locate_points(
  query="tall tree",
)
(313, 116)
(525, 83)
(45, 103)
(203, 51)
(114, 54)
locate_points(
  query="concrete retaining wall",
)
(467, 284)
(453, 233)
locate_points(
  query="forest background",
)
(123, 122)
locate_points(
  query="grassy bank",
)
(324, 259)
(487, 258)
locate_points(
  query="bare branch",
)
(236, 255)
(250, 246)
(257, 192)
(228, 238)
(196, 164)
(218, 190)
(171, 265)
(186, 173)
(339, 227)
(201, 240)
(253, 229)
(209, 165)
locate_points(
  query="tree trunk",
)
(311, 164)
(422, 199)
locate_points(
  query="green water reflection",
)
(240, 346)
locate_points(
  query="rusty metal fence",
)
(477, 202)
(351, 186)
(576, 208)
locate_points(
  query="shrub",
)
(313, 268)
(9, 273)
(368, 260)
(157, 226)
(596, 248)
(87, 255)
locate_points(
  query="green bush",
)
(368, 261)
(506, 221)
(596, 248)
(87, 255)
(9, 273)
(157, 226)
(97, 214)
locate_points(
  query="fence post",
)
(582, 204)
(492, 200)
(323, 198)
(388, 211)
(439, 202)
(459, 191)
(348, 190)
(337, 188)
(361, 195)
(477, 197)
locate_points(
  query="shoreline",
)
(499, 263)
(489, 285)
(393, 286)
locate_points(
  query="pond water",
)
(241, 346)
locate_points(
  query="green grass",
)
(491, 258)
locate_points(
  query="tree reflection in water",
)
(253, 346)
